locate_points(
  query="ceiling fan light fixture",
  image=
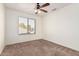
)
(37, 11)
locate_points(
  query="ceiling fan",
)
(39, 8)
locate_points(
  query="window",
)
(26, 25)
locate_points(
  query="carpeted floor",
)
(38, 48)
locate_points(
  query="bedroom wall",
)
(62, 26)
(12, 27)
(2, 27)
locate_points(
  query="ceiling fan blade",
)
(43, 10)
(46, 4)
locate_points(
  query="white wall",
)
(62, 26)
(12, 27)
(2, 26)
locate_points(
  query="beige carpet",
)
(38, 48)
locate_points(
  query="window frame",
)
(27, 24)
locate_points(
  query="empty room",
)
(39, 29)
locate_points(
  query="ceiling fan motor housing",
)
(38, 6)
